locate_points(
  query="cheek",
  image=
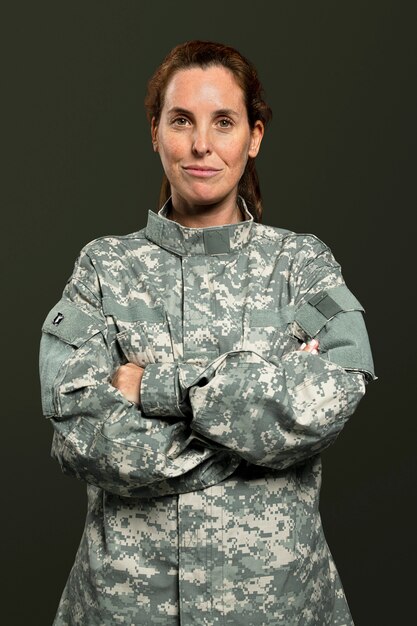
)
(171, 150)
(235, 152)
(237, 158)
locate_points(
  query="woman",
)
(193, 371)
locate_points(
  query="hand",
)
(127, 380)
(312, 346)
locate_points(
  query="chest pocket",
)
(142, 331)
(269, 332)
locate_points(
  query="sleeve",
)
(280, 410)
(99, 436)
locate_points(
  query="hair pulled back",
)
(205, 54)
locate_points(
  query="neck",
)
(205, 215)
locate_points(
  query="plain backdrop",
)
(338, 160)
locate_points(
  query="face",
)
(203, 137)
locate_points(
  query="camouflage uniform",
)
(203, 501)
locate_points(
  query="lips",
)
(201, 171)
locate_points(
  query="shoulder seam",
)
(285, 233)
(90, 245)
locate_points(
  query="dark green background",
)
(338, 161)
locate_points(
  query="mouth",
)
(201, 171)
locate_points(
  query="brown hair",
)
(204, 54)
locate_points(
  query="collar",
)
(186, 241)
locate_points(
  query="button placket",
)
(200, 343)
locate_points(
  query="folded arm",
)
(99, 435)
(280, 409)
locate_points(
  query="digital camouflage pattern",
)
(203, 501)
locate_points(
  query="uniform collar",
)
(185, 241)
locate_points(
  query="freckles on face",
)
(203, 135)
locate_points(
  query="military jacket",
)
(203, 500)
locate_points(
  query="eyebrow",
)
(227, 112)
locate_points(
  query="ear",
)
(154, 134)
(257, 133)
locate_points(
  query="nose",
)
(201, 142)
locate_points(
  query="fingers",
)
(312, 346)
(127, 380)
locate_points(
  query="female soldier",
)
(193, 371)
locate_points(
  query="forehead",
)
(211, 86)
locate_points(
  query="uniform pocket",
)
(254, 544)
(65, 329)
(134, 346)
(143, 331)
(335, 317)
(269, 332)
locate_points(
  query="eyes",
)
(180, 121)
(224, 123)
